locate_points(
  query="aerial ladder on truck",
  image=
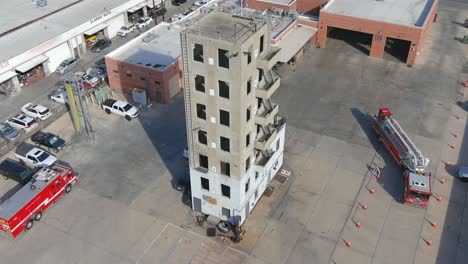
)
(407, 155)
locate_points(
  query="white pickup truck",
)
(121, 108)
(33, 156)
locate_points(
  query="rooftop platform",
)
(279, 2)
(402, 12)
(294, 41)
(227, 26)
(156, 49)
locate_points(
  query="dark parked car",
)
(183, 184)
(48, 140)
(160, 11)
(16, 171)
(101, 45)
(178, 2)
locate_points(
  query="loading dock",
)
(360, 40)
(397, 49)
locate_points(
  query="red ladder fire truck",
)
(407, 155)
(28, 204)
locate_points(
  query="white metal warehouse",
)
(37, 35)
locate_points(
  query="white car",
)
(126, 29)
(33, 156)
(36, 111)
(185, 154)
(463, 174)
(94, 81)
(144, 22)
(59, 96)
(21, 121)
(67, 65)
(200, 2)
(177, 17)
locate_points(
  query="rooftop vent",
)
(149, 37)
(41, 3)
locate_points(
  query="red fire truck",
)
(28, 204)
(417, 181)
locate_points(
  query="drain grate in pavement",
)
(280, 179)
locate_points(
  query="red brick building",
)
(397, 27)
(151, 62)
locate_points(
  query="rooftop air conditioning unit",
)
(41, 3)
(149, 37)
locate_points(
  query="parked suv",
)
(144, 22)
(11, 169)
(36, 111)
(126, 29)
(21, 121)
(67, 65)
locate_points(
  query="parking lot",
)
(125, 210)
(39, 91)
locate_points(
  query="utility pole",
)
(163, 7)
(155, 16)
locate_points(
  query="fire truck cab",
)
(417, 188)
(28, 204)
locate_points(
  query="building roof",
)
(279, 2)
(294, 41)
(226, 26)
(158, 48)
(401, 12)
(15, 13)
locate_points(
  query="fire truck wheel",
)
(38, 216)
(68, 188)
(29, 225)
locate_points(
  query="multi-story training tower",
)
(235, 136)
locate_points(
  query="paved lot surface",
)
(330, 145)
(124, 210)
